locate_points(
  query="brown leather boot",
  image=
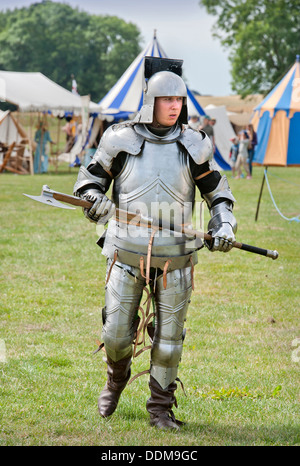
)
(160, 404)
(118, 374)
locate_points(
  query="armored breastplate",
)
(155, 183)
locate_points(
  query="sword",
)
(55, 199)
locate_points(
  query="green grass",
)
(239, 368)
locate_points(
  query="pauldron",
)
(117, 138)
(197, 144)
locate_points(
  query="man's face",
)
(167, 110)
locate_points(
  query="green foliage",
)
(262, 37)
(58, 40)
(236, 392)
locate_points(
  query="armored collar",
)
(171, 136)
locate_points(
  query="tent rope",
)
(296, 219)
(283, 179)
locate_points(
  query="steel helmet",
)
(161, 84)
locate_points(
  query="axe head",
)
(47, 198)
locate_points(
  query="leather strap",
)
(100, 347)
(112, 264)
(138, 375)
(142, 266)
(165, 273)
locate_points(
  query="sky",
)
(183, 29)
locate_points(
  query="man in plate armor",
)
(155, 162)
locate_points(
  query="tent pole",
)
(41, 144)
(30, 145)
(57, 145)
(260, 195)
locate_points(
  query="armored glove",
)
(102, 209)
(222, 227)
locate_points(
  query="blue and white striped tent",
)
(125, 98)
(277, 122)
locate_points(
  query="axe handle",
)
(72, 200)
(128, 216)
(78, 201)
(263, 252)
(245, 247)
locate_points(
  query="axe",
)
(55, 199)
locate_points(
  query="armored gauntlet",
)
(222, 227)
(102, 209)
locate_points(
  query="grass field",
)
(241, 357)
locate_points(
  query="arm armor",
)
(92, 188)
(221, 191)
(86, 181)
(222, 213)
(220, 203)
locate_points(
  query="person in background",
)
(194, 122)
(251, 146)
(208, 129)
(41, 137)
(242, 155)
(70, 130)
(234, 149)
(212, 123)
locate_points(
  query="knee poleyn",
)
(117, 347)
(166, 353)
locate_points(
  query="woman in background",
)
(41, 137)
(242, 155)
(251, 146)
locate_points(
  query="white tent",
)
(34, 92)
(223, 130)
(10, 130)
(13, 135)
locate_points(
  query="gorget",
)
(157, 184)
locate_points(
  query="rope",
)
(296, 219)
(283, 179)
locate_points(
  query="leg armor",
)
(123, 294)
(171, 308)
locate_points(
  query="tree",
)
(263, 39)
(58, 41)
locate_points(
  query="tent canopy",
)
(34, 92)
(125, 98)
(277, 122)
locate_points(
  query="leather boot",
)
(160, 404)
(118, 374)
